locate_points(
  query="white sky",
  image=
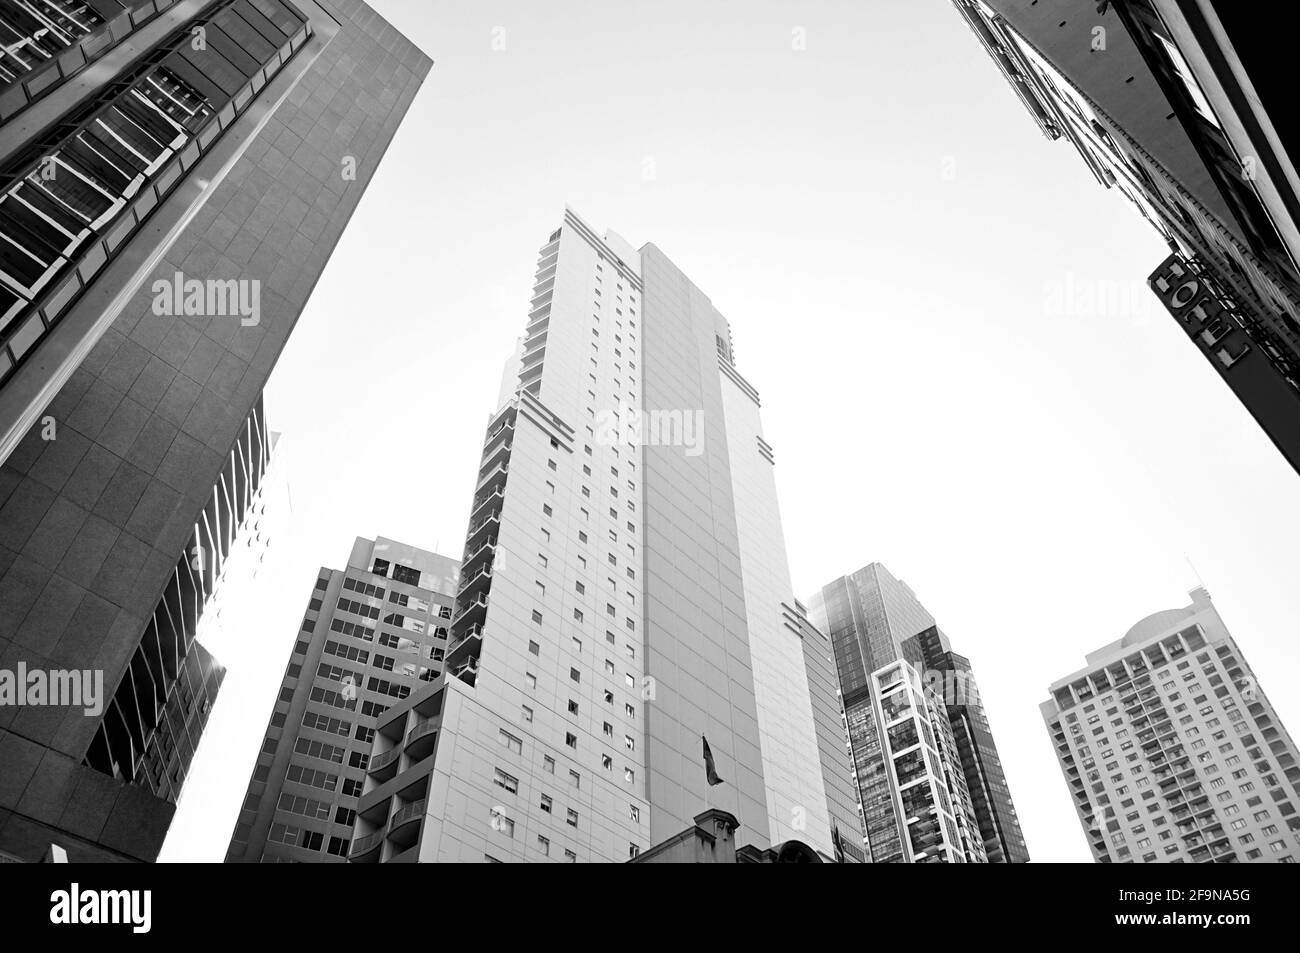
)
(1040, 474)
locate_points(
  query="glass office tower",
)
(929, 776)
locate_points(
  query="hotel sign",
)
(1190, 299)
(1244, 361)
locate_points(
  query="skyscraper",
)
(929, 777)
(624, 594)
(372, 633)
(175, 176)
(1158, 99)
(1171, 750)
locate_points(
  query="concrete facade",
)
(372, 634)
(1172, 752)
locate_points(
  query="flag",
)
(837, 843)
(710, 769)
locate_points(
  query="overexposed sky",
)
(962, 373)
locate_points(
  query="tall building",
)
(372, 633)
(1158, 98)
(624, 593)
(986, 782)
(1172, 751)
(175, 176)
(929, 779)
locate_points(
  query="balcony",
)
(466, 671)
(495, 477)
(407, 813)
(531, 375)
(502, 434)
(384, 765)
(472, 614)
(533, 358)
(422, 738)
(404, 827)
(498, 456)
(466, 647)
(534, 339)
(478, 584)
(478, 558)
(365, 850)
(484, 505)
(482, 529)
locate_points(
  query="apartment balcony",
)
(478, 585)
(476, 559)
(533, 358)
(537, 312)
(498, 456)
(503, 434)
(404, 826)
(533, 340)
(483, 506)
(466, 647)
(471, 613)
(384, 765)
(532, 374)
(466, 671)
(483, 529)
(538, 321)
(365, 850)
(422, 738)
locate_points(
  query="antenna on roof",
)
(1199, 581)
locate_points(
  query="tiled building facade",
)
(117, 418)
(624, 593)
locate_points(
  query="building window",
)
(507, 781)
